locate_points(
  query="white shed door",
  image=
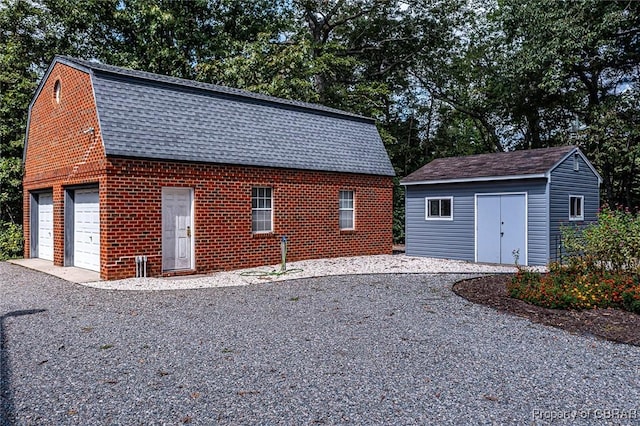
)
(501, 228)
(45, 226)
(86, 229)
(176, 229)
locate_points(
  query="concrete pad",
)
(69, 273)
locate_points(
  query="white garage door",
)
(45, 226)
(86, 229)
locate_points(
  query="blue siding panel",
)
(456, 239)
(566, 181)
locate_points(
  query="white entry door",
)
(176, 229)
(501, 228)
(86, 229)
(45, 226)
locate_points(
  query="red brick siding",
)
(305, 210)
(60, 150)
(61, 154)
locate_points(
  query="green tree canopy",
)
(442, 77)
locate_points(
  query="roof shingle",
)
(148, 115)
(513, 163)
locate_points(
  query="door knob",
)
(502, 234)
(188, 231)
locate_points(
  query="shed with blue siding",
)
(499, 208)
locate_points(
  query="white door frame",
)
(80, 240)
(191, 226)
(524, 258)
(69, 222)
(34, 223)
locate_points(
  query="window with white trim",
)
(576, 207)
(439, 208)
(261, 210)
(346, 207)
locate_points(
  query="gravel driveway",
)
(365, 349)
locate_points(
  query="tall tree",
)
(442, 77)
(461, 70)
(20, 50)
(576, 68)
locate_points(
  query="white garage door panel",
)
(45, 226)
(86, 229)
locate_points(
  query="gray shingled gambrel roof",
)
(147, 115)
(502, 165)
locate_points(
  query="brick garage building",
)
(196, 177)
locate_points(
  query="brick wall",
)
(63, 152)
(61, 149)
(305, 210)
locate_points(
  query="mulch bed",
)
(611, 324)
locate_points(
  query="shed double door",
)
(501, 228)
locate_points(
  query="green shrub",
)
(11, 242)
(612, 244)
(398, 212)
(602, 267)
(631, 299)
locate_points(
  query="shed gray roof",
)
(154, 116)
(527, 163)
